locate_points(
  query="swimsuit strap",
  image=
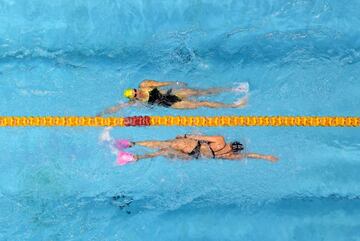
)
(212, 151)
(208, 143)
(168, 92)
(196, 151)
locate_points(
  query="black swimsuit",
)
(165, 100)
(196, 152)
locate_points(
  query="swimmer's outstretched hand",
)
(270, 158)
(261, 156)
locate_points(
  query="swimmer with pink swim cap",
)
(175, 95)
(187, 147)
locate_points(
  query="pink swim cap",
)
(122, 144)
(124, 158)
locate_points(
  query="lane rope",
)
(200, 121)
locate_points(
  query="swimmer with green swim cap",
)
(176, 95)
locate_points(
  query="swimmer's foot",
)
(241, 102)
(241, 87)
(124, 158)
(123, 144)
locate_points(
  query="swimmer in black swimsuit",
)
(236, 147)
(189, 147)
(153, 93)
(165, 100)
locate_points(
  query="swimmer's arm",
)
(165, 152)
(261, 156)
(116, 108)
(154, 83)
(213, 139)
(252, 156)
(150, 155)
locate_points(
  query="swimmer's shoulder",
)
(147, 83)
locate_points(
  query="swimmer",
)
(153, 92)
(186, 147)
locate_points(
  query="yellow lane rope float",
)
(200, 121)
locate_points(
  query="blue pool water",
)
(75, 57)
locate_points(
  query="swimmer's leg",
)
(151, 155)
(185, 93)
(167, 152)
(154, 144)
(171, 145)
(187, 104)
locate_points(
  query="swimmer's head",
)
(130, 93)
(236, 146)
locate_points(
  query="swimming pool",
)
(76, 57)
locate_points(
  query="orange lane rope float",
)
(200, 121)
